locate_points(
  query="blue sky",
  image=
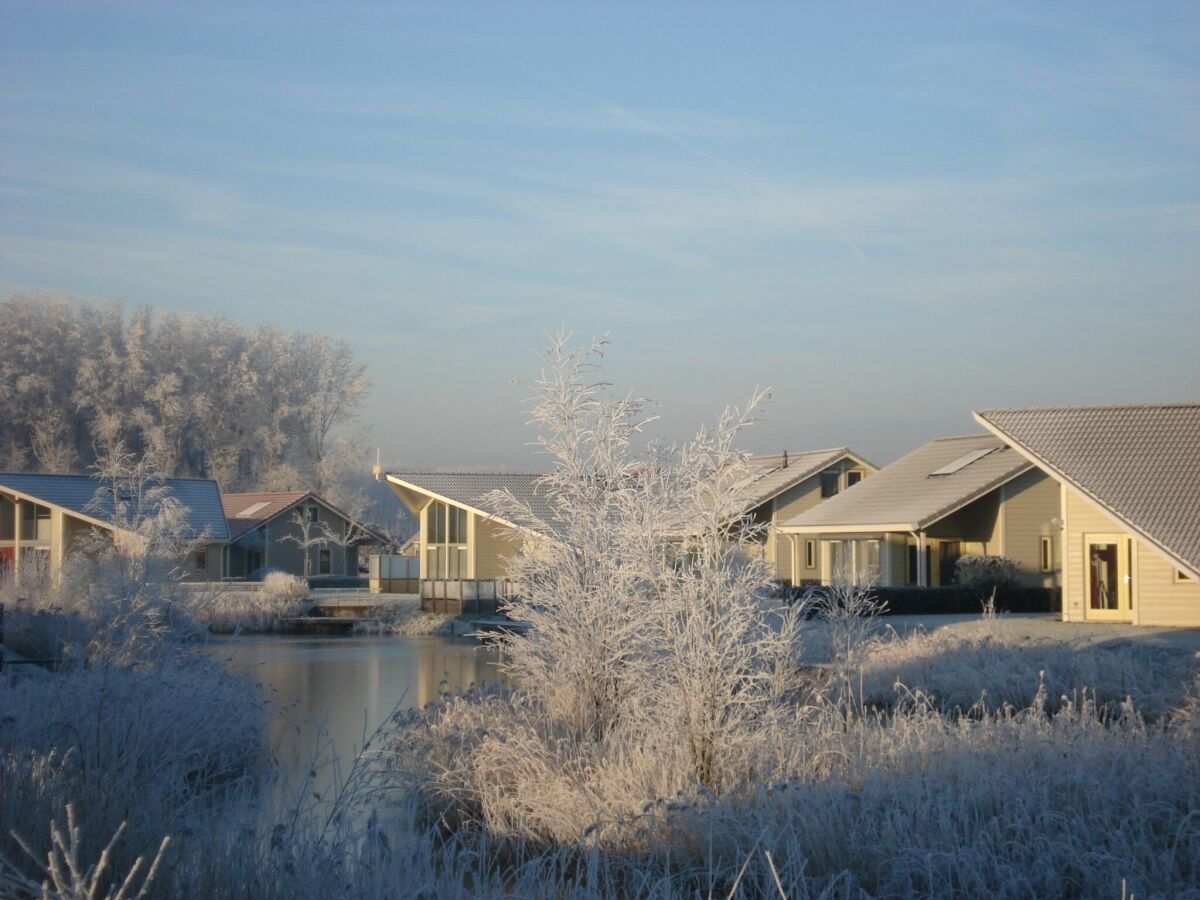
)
(889, 213)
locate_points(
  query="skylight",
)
(963, 461)
(251, 510)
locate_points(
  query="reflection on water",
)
(336, 689)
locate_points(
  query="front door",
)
(1107, 580)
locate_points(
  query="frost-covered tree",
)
(645, 615)
(259, 409)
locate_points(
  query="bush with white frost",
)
(646, 620)
(977, 570)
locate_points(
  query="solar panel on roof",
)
(963, 461)
(252, 509)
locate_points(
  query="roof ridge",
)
(460, 472)
(1086, 407)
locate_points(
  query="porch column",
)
(922, 568)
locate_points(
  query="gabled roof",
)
(88, 498)
(763, 478)
(245, 512)
(1138, 463)
(469, 489)
(907, 496)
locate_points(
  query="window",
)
(201, 560)
(810, 554)
(323, 561)
(1182, 577)
(35, 522)
(829, 482)
(1046, 556)
(853, 477)
(963, 461)
(856, 561)
(445, 541)
(310, 513)
(8, 519)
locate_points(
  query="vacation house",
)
(292, 531)
(910, 522)
(462, 539)
(1129, 505)
(778, 487)
(44, 518)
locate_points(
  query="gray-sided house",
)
(909, 523)
(44, 518)
(1129, 506)
(779, 487)
(293, 531)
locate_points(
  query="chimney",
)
(785, 459)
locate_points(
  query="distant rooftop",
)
(919, 489)
(245, 512)
(765, 477)
(91, 497)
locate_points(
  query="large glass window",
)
(8, 524)
(35, 522)
(854, 560)
(445, 541)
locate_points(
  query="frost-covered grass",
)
(989, 663)
(405, 618)
(226, 609)
(1043, 798)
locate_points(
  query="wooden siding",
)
(493, 548)
(1031, 504)
(792, 502)
(1157, 598)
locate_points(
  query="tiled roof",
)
(763, 478)
(471, 488)
(247, 511)
(86, 495)
(260, 506)
(1141, 463)
(906, 494)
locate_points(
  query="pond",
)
(333, 691)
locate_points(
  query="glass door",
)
(1107, 580)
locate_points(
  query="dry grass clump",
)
(226, 610)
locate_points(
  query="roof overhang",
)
(75, 514)
(416, 498)
(1096, 502)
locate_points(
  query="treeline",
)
(255, 409)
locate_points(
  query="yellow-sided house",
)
(44, 517)
(460, 539)
(1129, 505)
(777, 487)
(911, 521)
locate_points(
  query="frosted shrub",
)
(281, 585)
(984, 571)
(228, 609)
(647, 619)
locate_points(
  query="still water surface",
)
(333, 690)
